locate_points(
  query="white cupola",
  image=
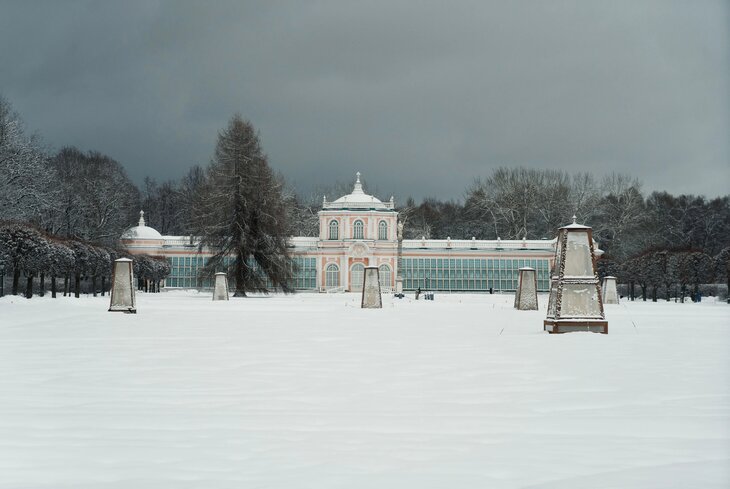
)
(358, 199)
(141, 231)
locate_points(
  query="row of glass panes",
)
(305, 277)
(468, 285)
(477, 274)
(474, 263)
(184, 272)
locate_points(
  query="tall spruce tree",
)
(240, 212)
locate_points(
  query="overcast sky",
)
(418, 96)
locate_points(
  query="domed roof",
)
(141, 231)
(358, 199)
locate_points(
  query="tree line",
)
(77, 195)
(670, 273)
(34, 257)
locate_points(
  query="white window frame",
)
(382, 230)
(358, 230)
(334, 226)
(332, 274)
(357, 277)
(384, 272)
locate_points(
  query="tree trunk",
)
(16, 281)
(42, 291)
(2, 283)
(77, 285)
(653, 294)
(632, 290)
(728, 288)
(103, 285)
(65, 285)
(668, 291)
(240, 278)
(681, 293)
(53, 286)
(146, 285)
(643, 292)
(29, 287)
(93, 285)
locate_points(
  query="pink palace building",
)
(357, 231)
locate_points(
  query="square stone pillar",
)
(122, 294)
(526, 293)
(575, 297)
(220, 290)
(371, 298)
(608, 290)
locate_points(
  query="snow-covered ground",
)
(309, 391)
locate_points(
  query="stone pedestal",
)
(526, 294)
(220, 291)
(608, 290)
(399, 285)
(371, 298)
(122, 293)
(575, 301)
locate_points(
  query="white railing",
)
(297, 241)
(357, 204)
(179, 242)
(479, 244)
(303, 242)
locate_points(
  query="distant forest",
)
(87, 195)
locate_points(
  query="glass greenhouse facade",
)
(471, 274)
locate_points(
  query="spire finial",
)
(141, 218)
(358, 185)
(574, 218)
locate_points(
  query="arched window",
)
(384, 272)
(357, 230)
(357, 277)
(383, 230)
(332, 276)
(334, 229)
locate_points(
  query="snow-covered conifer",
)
(240, 211)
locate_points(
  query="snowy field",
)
(309, 391)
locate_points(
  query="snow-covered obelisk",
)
(122, 293)
(575, 300)
(610, 294)
(526, 294)
(220, 290)
(371, 298)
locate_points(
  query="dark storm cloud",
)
(419, 96)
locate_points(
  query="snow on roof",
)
(141, 230)
(575, 225)
(358, 199)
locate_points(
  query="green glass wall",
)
(185, 269)
(471, 274)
